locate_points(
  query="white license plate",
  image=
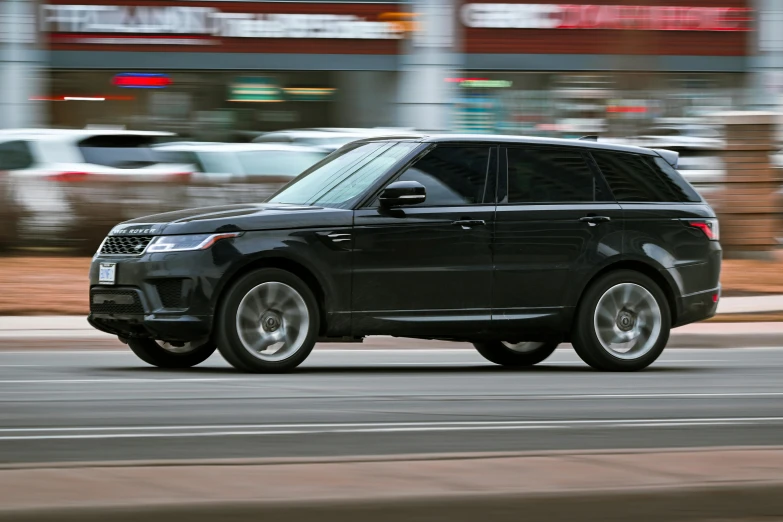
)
(107, 273)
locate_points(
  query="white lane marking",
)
(121, 380)
(392, 427)
(388, 424)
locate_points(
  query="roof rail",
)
(590, 137)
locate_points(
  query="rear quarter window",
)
(121, 151)
(644, 179)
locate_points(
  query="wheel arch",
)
(658, 276)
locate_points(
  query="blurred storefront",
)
(227, 68)
(614, 69)
(216, 70)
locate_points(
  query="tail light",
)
(181, 176)
(68, 177)
(709, 227)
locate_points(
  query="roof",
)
(73, 134)
(530, 140)
(236, 147)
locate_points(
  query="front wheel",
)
(168, 355)
(268, 322)
(622, 323)
(515, 354)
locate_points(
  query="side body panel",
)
(418, 273)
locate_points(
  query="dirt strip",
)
(58, 285)
(707, 485)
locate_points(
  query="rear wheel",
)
(515, 354)
(268, 322)
(623, 322)
(168, 355)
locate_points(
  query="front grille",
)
(125, 245)
(170, 292)
(115, 302)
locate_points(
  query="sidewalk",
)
(700, 484)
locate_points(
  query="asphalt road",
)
(107, 405)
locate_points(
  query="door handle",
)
(595, 220)
(466, 224)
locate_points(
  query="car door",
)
(426, 269)
(556, 221)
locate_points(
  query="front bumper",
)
(164, 296)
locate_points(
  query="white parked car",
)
(328, 139)
(243, 161)
(76, 153)
(691, 135)
(41, 167)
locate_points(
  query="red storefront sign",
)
(621, 17)
(257, 27)
(682, 27)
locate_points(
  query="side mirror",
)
(403, 193)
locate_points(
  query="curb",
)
(706, 484)
(723, 502)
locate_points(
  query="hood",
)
(235, 218)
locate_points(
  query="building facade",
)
(209, 68)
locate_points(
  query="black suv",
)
(512, 244)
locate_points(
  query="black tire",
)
(230, 341)
(498, 353)
(152, 352)
(585, 336)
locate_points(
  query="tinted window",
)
(549, 176)
(452, 175)
(121, 151)
(673, 180)
(643, 178)
(15, 155)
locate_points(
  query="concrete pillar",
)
(365, 98)
(424, 95)
(748, 204)
(22, 73)
(765, 79)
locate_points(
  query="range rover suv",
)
(513, 244)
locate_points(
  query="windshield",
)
(277, 162)
(345, 175)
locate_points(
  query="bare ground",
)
(59, 285)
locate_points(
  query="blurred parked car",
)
(61, 154)
(42, 165)
(692, 136)
(328, 139)
(243, 161)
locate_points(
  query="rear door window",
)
(121, 151)
(551, 175)
(648, 179)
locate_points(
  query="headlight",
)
(189, 242)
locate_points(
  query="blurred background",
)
(113, 109)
